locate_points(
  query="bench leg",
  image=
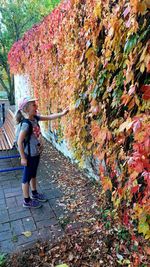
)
(9, 157)
(12, 169)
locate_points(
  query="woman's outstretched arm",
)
(54, 115)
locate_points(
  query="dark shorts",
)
(30, 170)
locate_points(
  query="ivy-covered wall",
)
(95, 57)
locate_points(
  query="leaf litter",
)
(93, 234)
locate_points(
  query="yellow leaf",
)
(137, 101)
(129, 76)
(142, 57)
(62, 265)
(147, 59)
(114, 123)
(108, 54)
(27, 233)
(125, 125)
(111, 66)
(143, 228)
(142, 68)
(89, 52)
(90, 55)
(147, 236)
(83, 133)
(98, 10)
(126, 261)
(117, 202)
(142, 219)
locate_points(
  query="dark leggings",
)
(30, 170)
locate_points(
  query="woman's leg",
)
(33, 183)
(25, 189)
(35, 195)
(33, 180)
(27, 174)
(25, 182)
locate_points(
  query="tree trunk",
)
(11, 89)
(10, 93)
(11, 99)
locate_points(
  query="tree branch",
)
(3, 62)
(4, 85)
(29, 20)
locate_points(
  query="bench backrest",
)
(7, 132)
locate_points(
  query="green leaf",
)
(145, 34)
(77, 103)
(102, 77)
(96, 92)
(130, 44)
(15, 238)
(2, 259)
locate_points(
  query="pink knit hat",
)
(23, 101)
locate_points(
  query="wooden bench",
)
(7, 132)
(7, 139)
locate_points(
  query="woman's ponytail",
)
(19, 117)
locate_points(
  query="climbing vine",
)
(95, 57)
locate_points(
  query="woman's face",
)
(32, 109)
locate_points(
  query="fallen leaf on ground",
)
(62, 265)
(27, 233)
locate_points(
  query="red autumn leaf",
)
(146, 91)
(120, 191)
(125, 218)
(112, 174)
(136, 259)
(133, 237)
(136, 164)
(101, 168)
(134, 189)
(147, 177)
(147, 144)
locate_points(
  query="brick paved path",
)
(14, 219)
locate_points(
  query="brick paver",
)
(43, 223)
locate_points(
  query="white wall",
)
(90, 166)
(22, 87)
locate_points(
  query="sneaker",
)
(40, 197)
(32, 204)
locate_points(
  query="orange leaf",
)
(147, 250)
(106, 183)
